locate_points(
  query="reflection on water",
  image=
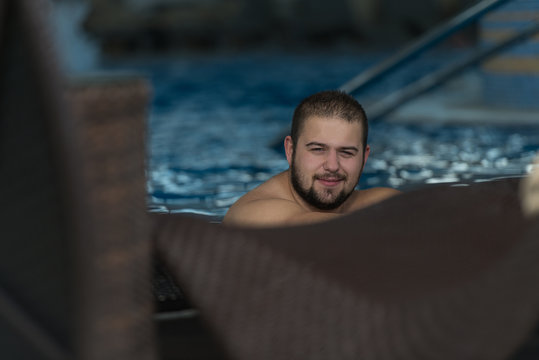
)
(428, 154)
(401, 157)
(213, 119)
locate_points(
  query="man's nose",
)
(332, 161)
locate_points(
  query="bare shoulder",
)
(368, 197)
(381, 192)
(265, 205)
(262, 212)
(274, 188)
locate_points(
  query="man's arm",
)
(272, 212)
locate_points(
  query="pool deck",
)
(460, 102)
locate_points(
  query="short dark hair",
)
(329, 103)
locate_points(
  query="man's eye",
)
(317, 149)
(347, 153)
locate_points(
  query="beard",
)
(325, 199)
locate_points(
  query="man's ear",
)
(366, 154)
(289, 149)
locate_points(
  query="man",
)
(327, 151)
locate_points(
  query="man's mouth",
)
(330, 181)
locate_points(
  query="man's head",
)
(327, 149)
(333, 104)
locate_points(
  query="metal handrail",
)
(407, 54)
(424, 43)
(433, 80)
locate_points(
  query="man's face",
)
(327, 161)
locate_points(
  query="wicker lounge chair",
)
(74, 249)
(439, 273)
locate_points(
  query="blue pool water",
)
(213, 119)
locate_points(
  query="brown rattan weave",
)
(439, 273)
(74, 250)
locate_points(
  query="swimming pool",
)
(214, 117)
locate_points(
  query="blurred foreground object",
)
(74, 254)
(439, 273)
